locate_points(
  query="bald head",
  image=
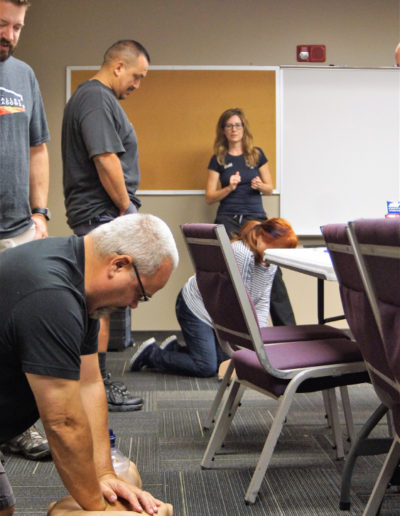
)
(397, 54)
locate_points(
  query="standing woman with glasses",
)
(238, 175)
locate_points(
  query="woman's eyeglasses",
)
(233, 126)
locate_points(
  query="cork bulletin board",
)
(175, 112)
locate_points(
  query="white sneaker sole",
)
(168, 340)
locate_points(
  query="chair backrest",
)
(359, 314)
(224, 294)
(376, 244)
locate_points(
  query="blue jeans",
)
(202, 354)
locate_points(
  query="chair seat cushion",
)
(301, 332)
(300, 354)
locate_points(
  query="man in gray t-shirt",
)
(100, 164)
(24, 167)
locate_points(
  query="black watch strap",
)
(43, 211)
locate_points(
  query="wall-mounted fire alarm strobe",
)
(311, 53)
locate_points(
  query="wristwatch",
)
(43, 211)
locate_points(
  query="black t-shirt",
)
(94, 123)
(243, 200)
(44, 324)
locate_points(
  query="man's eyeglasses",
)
(144, 296)
(233, 126)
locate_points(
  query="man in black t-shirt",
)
(53, 290)
(101, 164)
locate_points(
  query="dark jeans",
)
(202, 354)
(85, 228)
(280, 307)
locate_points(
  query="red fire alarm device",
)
(311, 53)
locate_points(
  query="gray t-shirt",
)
(95, 123)
(22, 125)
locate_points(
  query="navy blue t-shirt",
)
(244, 200)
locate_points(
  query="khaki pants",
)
(22, 238)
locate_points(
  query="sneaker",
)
(171, 343)
(107, 381)
(121, 401)
(141, 358)
(30, 444)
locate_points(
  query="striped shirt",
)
(257, 278)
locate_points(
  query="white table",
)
(313, 261)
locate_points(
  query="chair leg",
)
(390, 423)
(361, 446)
(328, 414)
(335, 423)
(225, 416)
(348, 415)
(218, 398)
(269, 447)
(385, 475)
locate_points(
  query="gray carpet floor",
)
(166, 440)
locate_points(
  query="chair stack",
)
(277, 369)
(366, 258)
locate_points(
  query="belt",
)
(239, 217)
(92, 221)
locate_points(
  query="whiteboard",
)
(340, 144)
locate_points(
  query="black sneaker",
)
(121, 401)
(30, 444)
(142, 356)
(107, 381)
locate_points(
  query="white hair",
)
(144, 237)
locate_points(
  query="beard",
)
(6, 53)
(105, 311)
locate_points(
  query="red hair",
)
(274, 232)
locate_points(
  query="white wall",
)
(59, 33)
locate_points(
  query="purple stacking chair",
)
(278, 369)
(365, 329)
(202, 258)
(376, 247)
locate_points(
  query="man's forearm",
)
(95, 404)
(68, 432)
(111, 176)
(39, 176)
(72, 451)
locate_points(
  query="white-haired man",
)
(55, 289)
